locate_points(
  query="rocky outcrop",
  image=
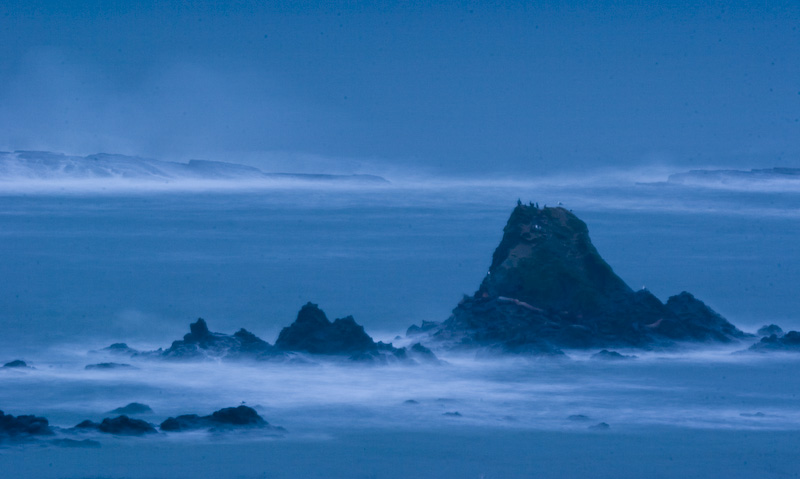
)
(606, 355)
(133, 408)
(16, 364)
(200, 342)
(23, 427)
(548, 288)
(769, 330)
(118, 426)
(241, 417)
(789, 342)
(313, 333)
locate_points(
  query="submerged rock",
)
(109, 366)
(789, 342)
(578, 417)
(119, 426)
(23, 427)
(226, 418)
(133, 408)
(601, 426)
(606, 355)
(548, 288)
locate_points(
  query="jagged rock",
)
(17, 363)
(109, 366)
(133, 408)
(312, 332)
(200, 342)
(789, 342)
(227, 418)
(769, 330)
(452, 414)
(119, 426)
(23, 427)
(606, 355)
(548, 288)
(424, 328)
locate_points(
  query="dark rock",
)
(769, 330)
(452, 414)
(121, 349)
(17, 363)
(227, 418)
(578, 417)
(23, 427)
(201, 343)
(73, 443)
(87, 424)
(423, 354)
(601, 426)
(789, 342)
(238, 416)
(606, 355)
(109, 366)
(119, 426)
(548, 288)
(312, 332)
(410, 402)
(133, 408)
(424, 328)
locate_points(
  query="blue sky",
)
(444, 87)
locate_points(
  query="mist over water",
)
(85, 268)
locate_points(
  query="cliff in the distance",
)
(548, 288)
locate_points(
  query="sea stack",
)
(548, 288)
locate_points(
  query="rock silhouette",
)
(548, 288)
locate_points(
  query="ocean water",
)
(83, 269)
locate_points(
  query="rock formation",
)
(23, 427)
(133, 408)
(227, 418)
(789, 342)
(119, 426)
(200, 342)
(312, 332)
(548, 288)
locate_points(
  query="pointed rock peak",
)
(310, 313)
(312, 332)
(199, 328)
(547, 260)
